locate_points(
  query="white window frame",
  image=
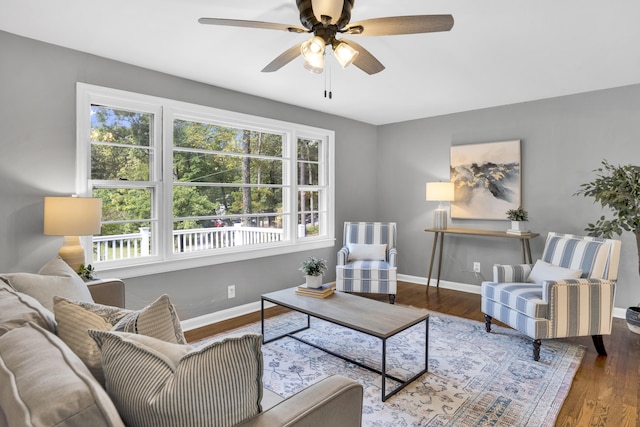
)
(162, 181)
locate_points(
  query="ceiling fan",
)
(325, 19)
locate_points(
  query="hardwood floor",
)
(605, 390)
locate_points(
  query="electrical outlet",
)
(476, 267)
(231, 291)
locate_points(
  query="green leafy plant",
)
(518, 214)
(313, 266)
(618, 189)
(86, 271)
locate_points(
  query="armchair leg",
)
(487, 322)
(599, 344)
(536, 349)
(392, 298)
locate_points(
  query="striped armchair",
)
(569, 292)
(368, 260)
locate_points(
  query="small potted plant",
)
(313, 269)
(86, 272)
(518, 217)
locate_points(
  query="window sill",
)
(165, 266)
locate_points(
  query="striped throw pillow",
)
(158, 384)
(74, 318)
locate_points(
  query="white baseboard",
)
(219, 316)
(455, 286)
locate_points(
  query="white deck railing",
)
(122, 246)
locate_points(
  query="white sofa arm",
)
(335, 401)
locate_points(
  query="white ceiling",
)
(498, 52)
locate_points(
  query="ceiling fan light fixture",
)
(313, 53)
(345, 54)
(312, 48)
(314, 68)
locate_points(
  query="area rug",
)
(475, 378)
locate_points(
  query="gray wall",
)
(563, 140)
(37, 159)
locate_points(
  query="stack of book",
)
(321, 292)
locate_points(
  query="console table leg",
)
(440, 259)
(528, 246)
(433, 255)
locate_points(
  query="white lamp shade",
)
(440, 192)
(72, 216)
(345, 54)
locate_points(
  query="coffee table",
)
(360, 314)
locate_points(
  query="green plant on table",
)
(518, 214)
(86, 271)
(313, 266)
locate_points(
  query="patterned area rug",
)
(474, 378)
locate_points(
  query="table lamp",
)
(440, 192)
(72, 217)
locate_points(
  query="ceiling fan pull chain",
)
(329, 76)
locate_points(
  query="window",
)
(185, 185)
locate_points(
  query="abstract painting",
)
(486, 178)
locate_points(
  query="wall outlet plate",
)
(476, 267)
(231, 291)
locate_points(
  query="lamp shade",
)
(439, 191)
(345, 54)
(72, 216)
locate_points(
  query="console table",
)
(524, 243)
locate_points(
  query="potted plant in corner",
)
(313, 269)
(618, 189)
(518, 217)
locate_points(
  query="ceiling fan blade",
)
(282, 60)
(252, 24)
(394, 25)
(365, 60)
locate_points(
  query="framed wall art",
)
(487, 179)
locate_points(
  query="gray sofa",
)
(44, 383)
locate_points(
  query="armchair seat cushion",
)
(525, 298)
(367, 276)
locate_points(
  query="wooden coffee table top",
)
(361, 314)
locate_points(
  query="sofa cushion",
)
(17, 308)
(158, 320)
(54, 278)
(45, 384)
(154, 383)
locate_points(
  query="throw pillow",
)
(367, 252)
(17, 308)
(74, 318)
(54, 278)
(154, 383)
(42, 383)
(542, 271)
